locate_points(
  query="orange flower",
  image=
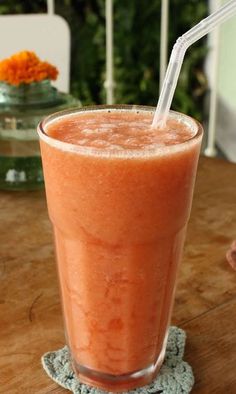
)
(26, 67)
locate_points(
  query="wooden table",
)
(30, 314)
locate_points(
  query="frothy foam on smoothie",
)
(118, 131)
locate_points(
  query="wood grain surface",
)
(30, 314)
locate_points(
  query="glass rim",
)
(147, 152)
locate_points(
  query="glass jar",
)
(21, 109)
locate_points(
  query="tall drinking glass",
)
(119, 207)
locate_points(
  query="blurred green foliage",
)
(136, 53)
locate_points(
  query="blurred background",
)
(136, 48)
(137, 57)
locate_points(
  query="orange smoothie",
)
(119, 196)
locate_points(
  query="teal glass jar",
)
(21, 109)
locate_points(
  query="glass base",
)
(119, 383)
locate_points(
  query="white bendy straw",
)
(177, 57)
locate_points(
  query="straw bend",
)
(177, 57)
